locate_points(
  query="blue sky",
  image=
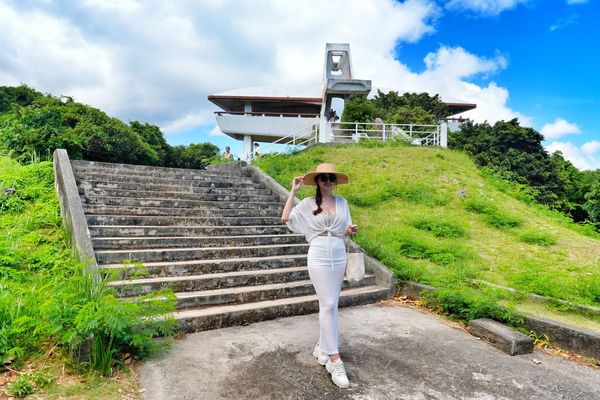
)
(552, 63)
(157, 61)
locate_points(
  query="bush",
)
(439, 228)
(21, 387)
(492, 216)
(468, 304)
(538, 238)
(44, 296)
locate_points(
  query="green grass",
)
(432, 216)
(45, 299)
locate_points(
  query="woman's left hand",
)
(352, 230)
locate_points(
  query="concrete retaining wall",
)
(575, 339)
(71, 210)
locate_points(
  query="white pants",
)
(326, 268)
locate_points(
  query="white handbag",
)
(355, 265)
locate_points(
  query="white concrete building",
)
(299, 114)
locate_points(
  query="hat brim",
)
(309, 179)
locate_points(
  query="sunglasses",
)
(328, 178)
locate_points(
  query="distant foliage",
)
(516, 153)
(359, 109)
(194, 156)
(409, 108)
(33, 125)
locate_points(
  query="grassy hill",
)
(432, 216)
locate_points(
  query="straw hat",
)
(309, 179)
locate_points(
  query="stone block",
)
(500, 336)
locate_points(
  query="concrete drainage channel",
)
(577, 340)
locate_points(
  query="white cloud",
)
(577, 1)
(215, 132)
(558, 128)
(585, 157)
(484, 7)
(564, 22)
(448, 72)
(158, 61)
(591, 147)
(121, 5)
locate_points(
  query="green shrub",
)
(21, 387)
(538, 238)
(439, 253)
(468, 304)
(492, 216)
(44, 296)
(439, 228)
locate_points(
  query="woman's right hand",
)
(297, 183)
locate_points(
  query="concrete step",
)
(150, 187)
(204, 181)
(201, 253)
(180, 212)
(177, 203)
(200, 319)
(86, 173)
(103, 167)
(247, 294)
(240, 196)
(198, 267)
(179, 221)
(138, 287)
(184, 231)
(146, 242)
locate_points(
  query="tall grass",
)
(46, 300)
(431, 216)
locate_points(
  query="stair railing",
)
(304, 136)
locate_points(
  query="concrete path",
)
(390, 351)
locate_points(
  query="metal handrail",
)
(295, 138)
(424, 134)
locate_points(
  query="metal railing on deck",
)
(344, 132)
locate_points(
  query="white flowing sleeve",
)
(348, 217)
(297, 220)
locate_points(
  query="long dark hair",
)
(318, 197)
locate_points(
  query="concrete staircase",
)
(214, 237)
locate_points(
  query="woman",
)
(325, 221)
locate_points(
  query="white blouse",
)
(302, 220)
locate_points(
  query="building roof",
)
(234, 100)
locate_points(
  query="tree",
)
(194, 156)
(592, 197)
(152, 135)
(388, 104)
(19, 95)
(514, 151)
(359, 109)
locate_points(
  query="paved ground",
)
(390, 351)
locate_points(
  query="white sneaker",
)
(338, 373)
(322, 358)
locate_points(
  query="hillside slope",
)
(431, 216)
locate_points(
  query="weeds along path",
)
(431, 216)
(47, 306)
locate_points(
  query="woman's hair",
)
(318, 197)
